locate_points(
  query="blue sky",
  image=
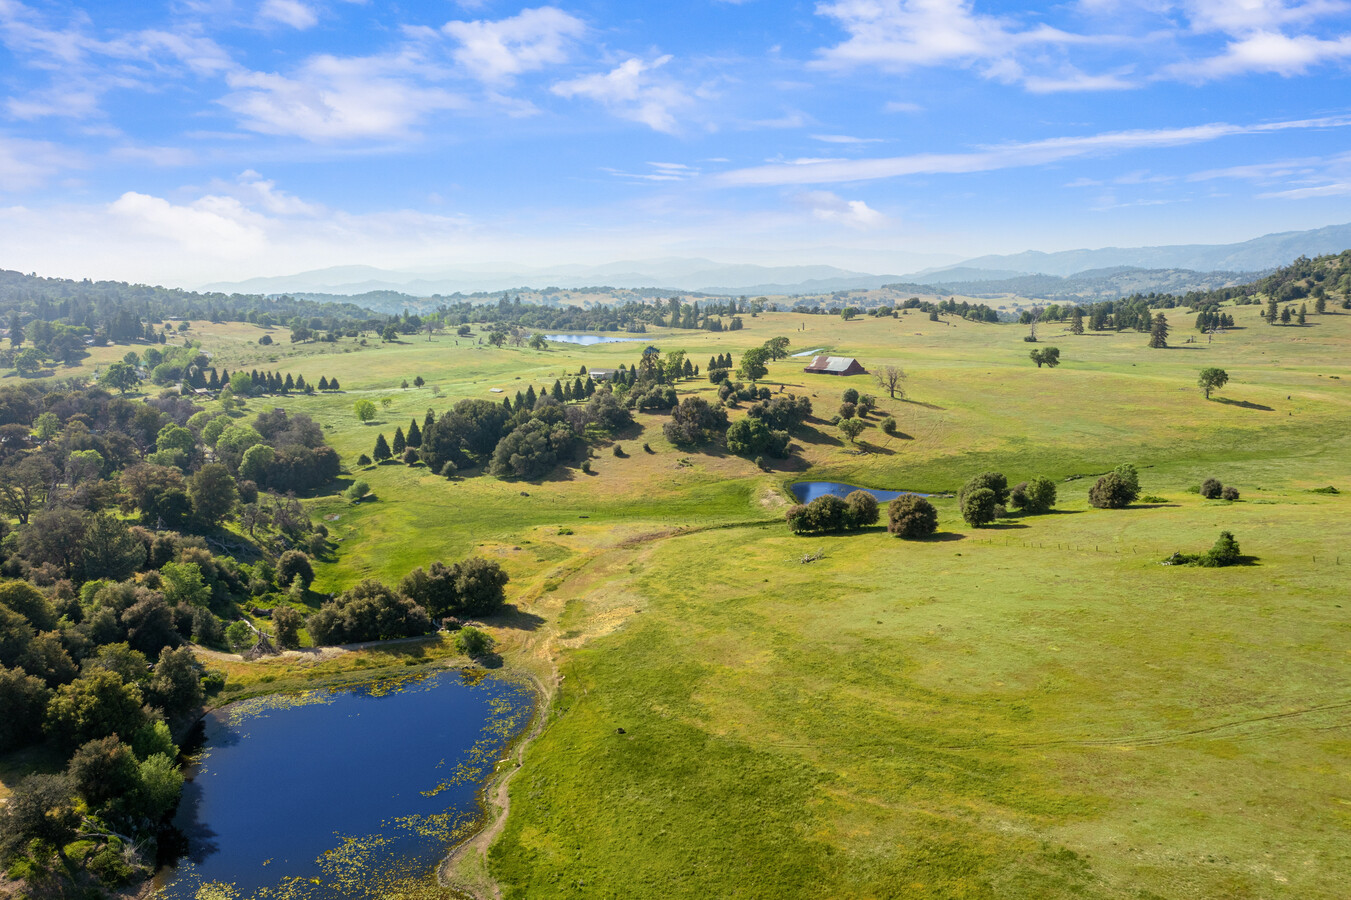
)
(188, 141)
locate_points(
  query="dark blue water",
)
(349, 792)
(586, 340)
(807, 491)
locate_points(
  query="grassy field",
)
(1035, 709)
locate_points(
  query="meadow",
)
(1032, 709)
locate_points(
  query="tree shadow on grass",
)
(925, 405)
(1003, 526)
(817, 436)
(941, 537)
(1246, 404)
(512, 616)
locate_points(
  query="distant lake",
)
(586, 340)
(807, 491)
(343, 793)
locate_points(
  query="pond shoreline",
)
(494, 799)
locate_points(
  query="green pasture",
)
(1037, 709)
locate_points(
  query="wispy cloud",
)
(340, 98)
(830, 207)
(26, 164)
(289, 12)
(1004, 156)
(497, 51)
(632, 90)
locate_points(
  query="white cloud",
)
(219, 227)
(896, 35)
(830, 207)
(1241, 16)
(527, 42)
(630, 92)
(901, 106)
(337, 98)
(1004, 156)
(289, 12)
(1266, 52)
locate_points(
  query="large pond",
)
(807, 491)
(586, 340)
(350, 792)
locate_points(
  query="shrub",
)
(862, 508)
(1229, 493)
(848, 410)
(647, 448)
(410, 456)
(358, 491)
(586, 466)
(911, 517)
(286, 623)
(363, 460)
(473, 642)
(294, 566)
(889, 425)
(1211, 489)
(239, 636)
(1115, 490)
(1035, 497)
(448, 470)
(978, 506)
(993, 481)
(619, 451)
(753, 437)
(849, 396)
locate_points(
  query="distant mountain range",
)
(1256, 255)
(1094, 284)
(689, 275)
(1174, 268)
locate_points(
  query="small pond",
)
(807, 491)
(586, 340)
(348, 792)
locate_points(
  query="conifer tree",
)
(214, 381)
(558, 391)
(520, 401)
(1272, 313)
(429, 420)
(333, 385)
(323, 383)
(1158, 332)
(530, 397)
(414, 438)
(288, 385)
(590, 386)
(381, 451)
(579, 389)
(567, 391)
(1303, 313)
(400, 444)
